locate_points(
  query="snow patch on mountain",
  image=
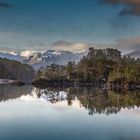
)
(27, 53)
(44, 58)
(12, 56)
(135, 52)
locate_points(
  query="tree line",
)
(14, 70)
(100, 65)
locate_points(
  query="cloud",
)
(128, 46)
(16, 41)
(61, 43)
(132, 6)
(129, 43)
(5, 5)
(7, 49)
(69, 46)
(125, 45)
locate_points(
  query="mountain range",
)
(135, 54)
(45, 58)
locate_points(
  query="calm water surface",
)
(28, 113)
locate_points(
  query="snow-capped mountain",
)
(135, 54)
(27, 53)
(18, 56)
(45, 58)
(12, 56)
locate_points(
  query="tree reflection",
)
(8, 92)
(95, 100)
(105, 102)
(52, 95)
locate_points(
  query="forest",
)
(100, 66)
(14, 70)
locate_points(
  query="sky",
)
(69, 24)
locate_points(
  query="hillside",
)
(10, 69)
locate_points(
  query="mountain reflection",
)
(94, 100)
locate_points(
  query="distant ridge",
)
(135, 54)
(42, 59)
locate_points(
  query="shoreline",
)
(99, 84)
(42, 83)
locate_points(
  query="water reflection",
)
(8, 92)
(29, 113)
(94, 100)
